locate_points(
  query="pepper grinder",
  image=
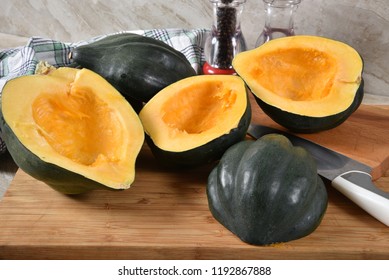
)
(225, 39)
(279, 20)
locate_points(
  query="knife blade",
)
(350, 177)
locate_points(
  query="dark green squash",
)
(193, 121)
(267, 191)
(305, 83)
(137, 66)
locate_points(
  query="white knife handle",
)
(358, 187)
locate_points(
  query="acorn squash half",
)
(193, 121)
(72, 130)
(304, 83)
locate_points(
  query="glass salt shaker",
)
(225, 39)
(279, 20)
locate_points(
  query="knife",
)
(350, 177)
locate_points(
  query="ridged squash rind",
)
(267, 191)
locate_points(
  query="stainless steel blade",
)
(330, 164)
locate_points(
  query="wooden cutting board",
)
(165, 214)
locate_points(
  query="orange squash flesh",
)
(86, 130)
(296, 74)
(198, 109)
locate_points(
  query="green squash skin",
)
(58, 178)
(267, 191)
(206, 153)
(124, 38)
(306, 124)
(137, 66)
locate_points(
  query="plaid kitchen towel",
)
(23, 60)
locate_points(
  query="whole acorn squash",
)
(137, 66)
(193, 121)
(72, 130)
(304, 83)
(267, 191)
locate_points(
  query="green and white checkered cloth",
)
(23, 60)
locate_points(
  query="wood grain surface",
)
(165, 214)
